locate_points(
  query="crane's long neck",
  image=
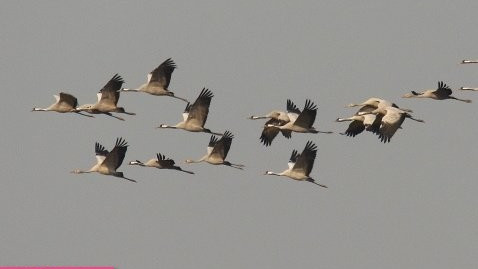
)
(90, 108)
(130, 90)
(419, 96)
(39, 109)
(197, 161)
(137, 163)
(194, 161)
(414, 94)
(165, 126)
(78, 171)
(270, 173)
(354, 105)
(468, 89)
(180, 125)
(344, 119)
(258, 117)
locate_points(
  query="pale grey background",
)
(408, 204)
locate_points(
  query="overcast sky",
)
(411, 203)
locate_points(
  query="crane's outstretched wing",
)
(305, 160)
(163, 161)
(390, 124)
(162, 74)
(443, 90)
(199, 110)
(111, 91)
(270, 132)
(307, 117)
(355, 127)
(221, 148)
(212, 142)
(115, 157)
(100, 152)
(293, 158)
(292, 110)
(67, 100)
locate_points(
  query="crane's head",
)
(370, 102)
(137, 162)
(379, 110)
(270, 173)
(469, 61)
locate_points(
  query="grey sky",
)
(407, 204)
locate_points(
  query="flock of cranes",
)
(378, 116)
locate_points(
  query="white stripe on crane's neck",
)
(468, 89)
(272, 173)
(136, 163)
(129, 90)
(257, 117)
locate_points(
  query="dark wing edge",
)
(292, 108)
(100, 149)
